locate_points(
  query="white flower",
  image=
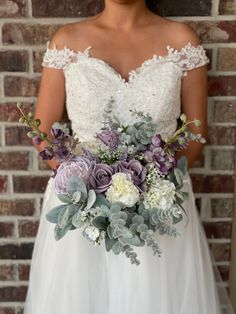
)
(122, 190)
(161, 195)
(92, 233)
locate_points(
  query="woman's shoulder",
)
(71, 35)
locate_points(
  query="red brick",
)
(222, 159)
(222, 85)
(14, 160)
(218, 229)
(27, 34)
(16, 251)
(13, 8)
(226, 60)
(3, 184)
(213, 183)
(14, 61)
(18, 207)
(221, 251)
(11, 293)
(7, 310)
(222, 135)
(24, 271)
(21, 86)
(37, 60)
(30, 184)
(17, 135)
(28, 228)
(7, 272)
(222, 207)
(6, 229)
(10, 113)
(227, 7)
(224, 272)
(224, 111)
(215, 31)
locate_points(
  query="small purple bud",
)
(46, 154)
(37, 140)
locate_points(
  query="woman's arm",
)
(194, 102)
(50, 103)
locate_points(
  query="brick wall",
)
(25, 26)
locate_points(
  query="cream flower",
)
(122, 190)
(92, 233)
(161, 195)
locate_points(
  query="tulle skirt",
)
(71, 276)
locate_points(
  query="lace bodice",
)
(153, 87)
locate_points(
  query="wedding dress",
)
(71, 276)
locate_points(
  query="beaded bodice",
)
(153, 87)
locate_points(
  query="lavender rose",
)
(77, 166)
(101, 177)
(137, 172)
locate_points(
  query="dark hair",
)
(154, 6)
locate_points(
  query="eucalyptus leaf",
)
(76, 184)
(138, 219)
(109, 243)
(76, 220)
(117, 247)
(182, 164)
(100, 222)
(178, 175)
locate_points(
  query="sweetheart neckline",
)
(133, 72)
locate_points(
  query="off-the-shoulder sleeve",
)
(189, 57)
(56, 58)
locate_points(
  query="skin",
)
(125, 34)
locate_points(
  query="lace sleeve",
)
(189, 57)
(55, 58)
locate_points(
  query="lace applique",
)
(189, 57)
(59, 58)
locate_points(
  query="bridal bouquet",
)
(124, 187)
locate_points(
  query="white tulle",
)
(71, 276)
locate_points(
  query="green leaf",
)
(76, 220)
(178, 175)
(77, 196)
(138, 219)
(100, 222)
(182, 164)
(76, 184)
(91, 199)
(109, 243)
(64, 217)
(52, 215)
(65, 198)
(117, 247)
(142, 228)
(60, 232)
(135, 241)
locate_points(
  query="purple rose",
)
(101, 177)
(137, 172)
(77, 166)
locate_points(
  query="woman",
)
(149, 63)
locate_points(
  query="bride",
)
(149, 63)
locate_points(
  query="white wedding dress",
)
(72, 276)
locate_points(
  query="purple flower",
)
(101, 177)
(77, 166)
(46, 154)
(58, 133)
(62, 152)
(157, 141)
(109, 137)
(161, 159)
(37, 140)
(137, 172)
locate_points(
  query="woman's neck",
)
(118, 14)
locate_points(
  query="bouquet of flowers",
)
(121, 188)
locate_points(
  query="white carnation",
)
(122, 190)
(161, 195)
(92, 233)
